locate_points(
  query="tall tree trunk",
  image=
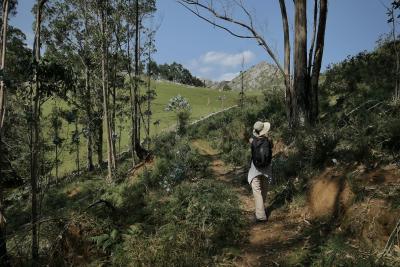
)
(78, 167)
(35, 137)
(56, 150)
(396, 52)
(317, 62)
(114, 104)
(290, 98)
(4, 261)
(300, 55)
(106, 114)
(314, 34)
(148, 96)
(89, 123)
(140, 152)
(99, 141)
(88, 102)
(109, 111)
(136, 86)
(131, 92)
(3, 62)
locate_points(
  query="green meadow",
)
(203, 101)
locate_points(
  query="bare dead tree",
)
(302, 87)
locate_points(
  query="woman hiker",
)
(260, 170)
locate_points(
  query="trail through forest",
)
(269, 243)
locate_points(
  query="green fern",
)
(106, 241)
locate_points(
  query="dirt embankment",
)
(357, 201)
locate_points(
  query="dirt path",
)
(275, 243)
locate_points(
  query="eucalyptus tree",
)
(56, 125)
(35, 131)
(150, 93)
(302, 84)
(71, 36)
(7, 7)
(135, 13)
(49, 78)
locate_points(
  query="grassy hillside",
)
(203, 101)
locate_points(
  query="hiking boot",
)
(254, 220)
(268, 213)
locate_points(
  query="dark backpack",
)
(261, 152)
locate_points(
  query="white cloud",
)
(227, 76)
(205, 70)
(227, 60)
(220, 66)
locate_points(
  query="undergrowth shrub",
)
(285, 167)
(177, 161)
(237, 153)
(316, 146)
(390, 131)
(274, 108)
(125, 196)
(163, 144)
(210, 127)
(338, 252)
(183, 121)
(189, 227)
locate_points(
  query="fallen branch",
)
(358, 107)
(148, 158)
(102, 201)
(390, 243)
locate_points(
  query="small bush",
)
(183, 121)
(176, 164)
(355, 145)
(191, 226)
(210, 127)
(316, 146)
(391, 133)
(164, 144)
(284, 168)
(338, 252)
(125, 197)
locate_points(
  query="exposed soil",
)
(329, 195)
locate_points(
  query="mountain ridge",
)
(261, 76)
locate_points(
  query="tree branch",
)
(216, 25)
(254, 34)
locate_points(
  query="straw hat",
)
(261, 128)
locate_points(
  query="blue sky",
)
(208, 52)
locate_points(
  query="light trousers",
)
(259, 185)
